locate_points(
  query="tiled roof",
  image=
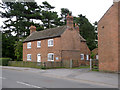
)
(49, 33)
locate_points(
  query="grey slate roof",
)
(49, 33)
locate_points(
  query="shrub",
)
(4, 61)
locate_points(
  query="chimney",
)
(32, 29)
(76, 27)
(69, 21)
(115, 1)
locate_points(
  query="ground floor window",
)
(38, 58)
(96, 56)
(87, 57)
(82, 56)
(29, 57)
(50, 56)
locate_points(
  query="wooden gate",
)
(95, 64)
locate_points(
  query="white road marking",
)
(2, 78)
(28, 84)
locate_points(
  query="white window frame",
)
(38, 44)
(49, 42)
(97, 57)
(37, 57)
(87, 57)
(29, 59)
(81, 57)
(49, 56)
(28, 45)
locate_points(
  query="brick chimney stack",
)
(32, 29)
(76, 27)
(69, 21)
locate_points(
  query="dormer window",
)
(50, 42)
(38, 44)
(28, 45)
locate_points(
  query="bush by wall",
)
(4, 61)
(25, 64)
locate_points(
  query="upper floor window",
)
(38, 44)
(50, 57)
(50, 42)
(87, 57)
(82, 56)
(29, 45)
(29, 57)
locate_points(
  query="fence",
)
(61, 64)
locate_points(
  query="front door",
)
(38, 58)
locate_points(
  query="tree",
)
(20, 16)
(49, 17)
(8, 45)
(18, 50)
(86, 30)
(64, 12)
(96, 32)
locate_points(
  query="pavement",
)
(78, 75)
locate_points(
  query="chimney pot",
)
(32, 29)
(76, 27)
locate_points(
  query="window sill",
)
(50, 46)
(50, 60)
(29, 60)
(38, 47)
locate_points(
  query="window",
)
(38, 44)
(38, 58)
(50, 42)
(82, 56)
(50, 57)
(29, 45)
(87, 57)
(96, 56)
(29, 57)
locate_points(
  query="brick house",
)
(109, 39)
(56, 44)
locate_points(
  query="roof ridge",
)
(48, 33)
(50, 29)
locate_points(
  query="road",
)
(23, 79)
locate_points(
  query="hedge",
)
(4, 61)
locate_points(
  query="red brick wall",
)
(44, 50)
(119, 38)
(108, 40)
(72, 47)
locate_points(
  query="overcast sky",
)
(92, 9)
